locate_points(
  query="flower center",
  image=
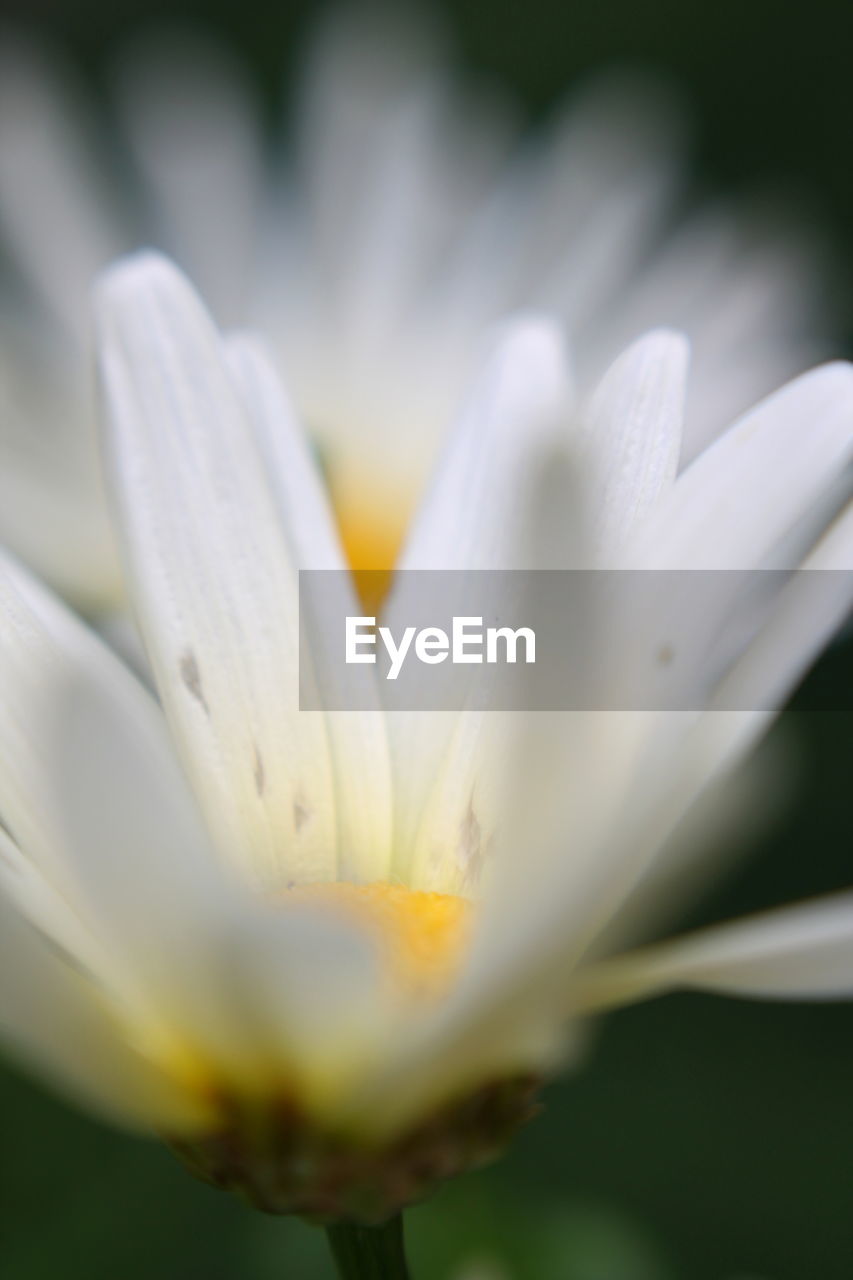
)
(371, 532)
(421, 935)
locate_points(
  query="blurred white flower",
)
(401, 220)
(332, 964)
(483, 1271)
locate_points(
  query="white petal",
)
(361, 76)
(357, 738)
(571, 215)
(57, 523)
(112, 858)
(805, 617)
(190, 116)
(388, 163)
(743, 495)
(109, 865)
(57, 1020)
(471, 519)
(303, 505)
(469, 793)
(45, 651)
(397, 214)
(744, 296)
(234, 980)
(55, 206)
(610, 177)
(632, 430)
(114, 868)
(24, 885)
(52, 510)
(804, 950)
(729, 516)
(743, 795)
(211, 577)
(295, 996)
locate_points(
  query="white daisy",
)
(400, 221)
(256, 930)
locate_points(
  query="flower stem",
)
(369, 1253)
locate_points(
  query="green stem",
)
(369, 1253)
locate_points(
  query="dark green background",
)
(704, 1139)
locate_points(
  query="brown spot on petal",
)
(665, 655)
(301, 814)
(191, 677)
(469, 834)
(469, 848)
(259, 771)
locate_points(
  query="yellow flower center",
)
(421, 935)
(371, 528)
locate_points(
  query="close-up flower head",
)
(416, 519)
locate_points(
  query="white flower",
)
(289, 961)
(402, 221)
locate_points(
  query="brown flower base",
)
(281, 1164)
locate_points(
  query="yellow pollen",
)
(421, 935)
(372, 530)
